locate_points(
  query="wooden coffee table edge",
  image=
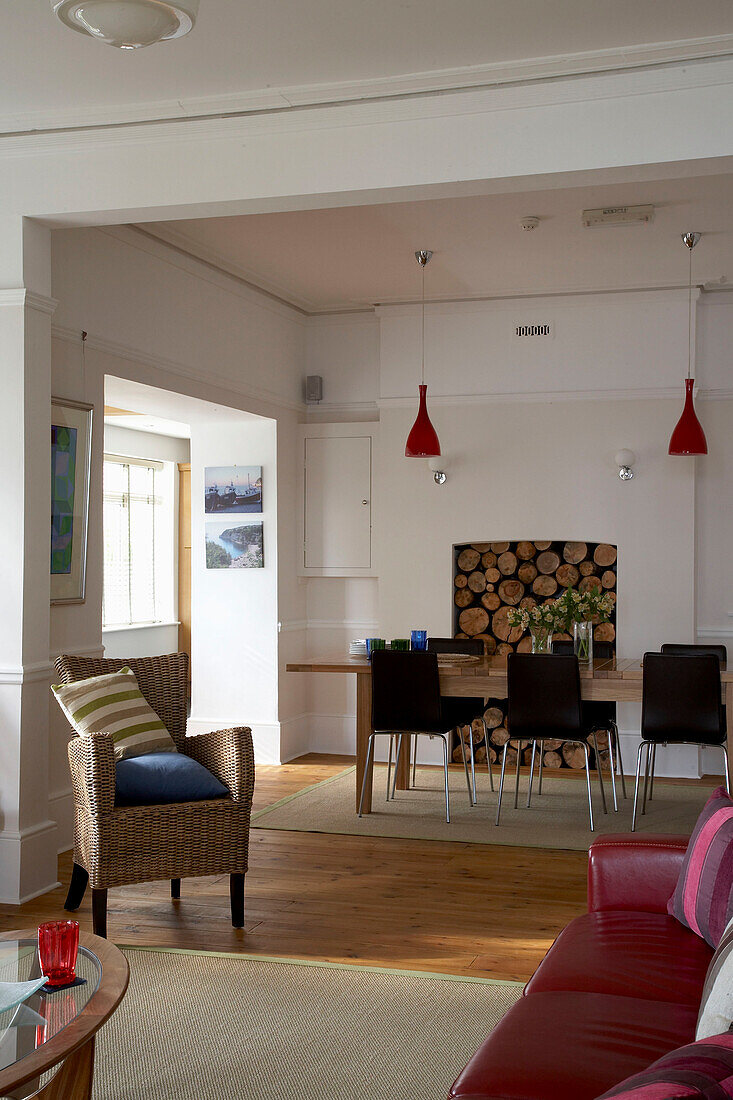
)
(103, 1002)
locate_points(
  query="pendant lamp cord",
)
(422, 336)
(689, 318)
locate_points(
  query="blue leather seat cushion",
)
(164, 777)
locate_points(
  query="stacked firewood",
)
(492, 577)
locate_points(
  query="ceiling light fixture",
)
(688, 438)
(422, 442)
(128, 24)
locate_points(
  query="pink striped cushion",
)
(699, 1071)
(703, 897)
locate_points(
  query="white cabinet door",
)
(338, 506)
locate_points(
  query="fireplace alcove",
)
(489, 578)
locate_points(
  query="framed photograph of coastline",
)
(232, 489)
(234, 545)
(71, 450)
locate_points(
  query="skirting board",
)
(28, 863)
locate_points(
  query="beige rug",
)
(556, 819)
(200, 1026)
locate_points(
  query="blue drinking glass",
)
(418, 639)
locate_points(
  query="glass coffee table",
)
(47, 1042)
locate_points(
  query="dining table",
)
(617, 680)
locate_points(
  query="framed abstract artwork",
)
(71, 448)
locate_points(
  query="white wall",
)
(234, 612)
(714, 514)
(344, 350)
(158, 319)
(530, 433)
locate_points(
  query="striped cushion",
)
(699, 1070)
(716, 1006)
(703, 897)
(114, 704)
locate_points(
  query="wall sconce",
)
(625, 461)
(438, 465)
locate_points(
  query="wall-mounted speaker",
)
(313, 389)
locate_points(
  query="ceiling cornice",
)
(409, 85)
(253, 285)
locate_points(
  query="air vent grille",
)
(533, 330)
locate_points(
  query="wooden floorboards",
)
(458, 908)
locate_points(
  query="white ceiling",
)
(243, 46)
(164, 412)
(142, 422)
(354, 257)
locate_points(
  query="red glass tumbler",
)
(58, 944)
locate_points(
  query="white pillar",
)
(27, 837)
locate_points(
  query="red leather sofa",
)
(620, 987)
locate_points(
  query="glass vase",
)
(583, 643)
(542, 641)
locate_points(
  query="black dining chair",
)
(406, 702)
(681, 705)
(544, 703)
(684, 649)
(600, 715)
(461, 711)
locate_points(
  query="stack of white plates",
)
(357, 648)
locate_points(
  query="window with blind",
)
(132, 525)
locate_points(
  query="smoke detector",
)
(529, 223)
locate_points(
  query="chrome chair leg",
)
(654, 764)
(725, 764)
(531, 774)
(414, 761)
(646, 777)
(465, 765)
(389, 764)
(638, 782)
(444, 739)
(612, 765)
(587, 776)
(501, 781)
(488, 757)
(516, 785)
(396, 761)
(600, 773)
(474, 799)
(370, 753)
(619, 758)
(542, 757)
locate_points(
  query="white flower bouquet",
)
(540, 619)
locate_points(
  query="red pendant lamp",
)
(688, 438)
(422, 442)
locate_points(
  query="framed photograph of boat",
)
(230, 489)
(71, 449)
(234, 545)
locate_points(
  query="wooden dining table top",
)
(621, 668)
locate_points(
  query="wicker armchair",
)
(119, 845)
